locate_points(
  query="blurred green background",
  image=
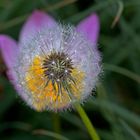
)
(115, 109)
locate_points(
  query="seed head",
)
(57, 67)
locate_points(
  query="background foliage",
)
(115, 111)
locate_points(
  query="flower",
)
(53, 65)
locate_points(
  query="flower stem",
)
(87, 123)
(56, 123)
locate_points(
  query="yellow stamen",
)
(46, 95)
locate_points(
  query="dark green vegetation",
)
(115, 111)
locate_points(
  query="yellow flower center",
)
(49, 92)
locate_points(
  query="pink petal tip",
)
(90, 27)
(9, 50)
(35, 22)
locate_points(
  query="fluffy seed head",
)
(56, 67)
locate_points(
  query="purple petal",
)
(35, 22)
(9, 50)
(90, 27)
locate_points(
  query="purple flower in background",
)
(53, 65)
